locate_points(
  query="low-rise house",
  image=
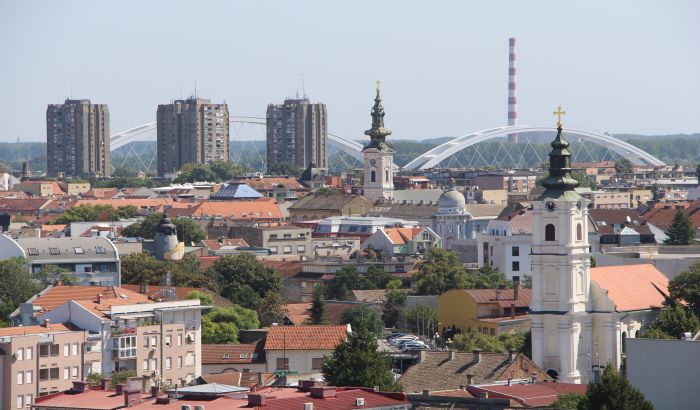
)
(24, 207)
(301, 349)
(40, 360)
(244, 357)
(287, 240)
(299, 313)
(403, 241)
(39, 188)
(617, 227)
(450, 370)
(92, 261)
(488, 311)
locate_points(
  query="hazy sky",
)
(616, 66)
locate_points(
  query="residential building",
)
(617, 228)
(222, 246)
(403, 241)
(664, 371)
(362, 226)
(191, 131)
(301, 349)
(450, 370)
(378, 157)
(280, 240)
(77, 139)
(225, 358)
(235, 191)
(279, 187)
(487, 311)
(608, 199)
(39, 188)
(40, 360)
(321, 205)
(92, 261)
(511, 181)
(296, 133)
(342, 248)
(505, 245)
(578, 312)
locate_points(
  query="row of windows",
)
(288, 249)
(24, 400)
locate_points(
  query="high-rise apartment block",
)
(191, 131)
(77, 139)
(296, 133)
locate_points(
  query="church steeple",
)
(560, 184)
(378, 133)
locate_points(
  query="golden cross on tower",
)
(559, 113)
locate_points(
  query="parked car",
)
(403, 343)
(414, 348)
(394, 336)
(403, 338)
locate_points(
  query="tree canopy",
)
(272, 308)
(613, 392)
(216, 171)
(674, 320)
(681, 231)
(361, 315)
(347, 279)
(471, 340)
(187, 230)
(568, 401)
(686, 287)
(439, 272)
(142, 267)
(317, 312)
(244, 280)
(96, 213)
(356, 362)
(16, 286)
(221, 325)
(623, 166)
(395, 300)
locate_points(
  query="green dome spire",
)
(559, 183)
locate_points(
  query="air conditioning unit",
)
(308, 406)
(359, 401)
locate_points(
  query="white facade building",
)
(506, 246)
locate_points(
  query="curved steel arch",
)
(438, 154)
(118, 140)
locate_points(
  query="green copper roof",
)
(559, 183)
(378, 133)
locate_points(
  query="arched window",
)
(549, 232)
(387, 175)
(373, 176)
(579, 232)
(624, 342)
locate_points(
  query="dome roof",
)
(452, 199)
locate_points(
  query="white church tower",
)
(378, 157)
(560, 305)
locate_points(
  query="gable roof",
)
(610, 221)
(435, 371)
(485, 210)
(236, 190)
(54, 296)
(244, 353)
(316, 337)
(225, 243)
(632, 287)
(297, 313)
(529, 394)
(661, 215)
(400, 236)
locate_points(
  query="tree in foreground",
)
(686, 287)
(271, 309)
(681, 231)
(395, 300)
(317, 312)
(356, 362)
(613, 392)
(440, 272)
(221, 325)
(675, 319)
(244, 280)
(16, 286)
(568, 401)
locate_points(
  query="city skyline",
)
(627, 67)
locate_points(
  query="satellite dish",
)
(629, 220)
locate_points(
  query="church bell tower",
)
(378, 157)
(561, 324)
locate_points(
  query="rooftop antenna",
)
(195, 88)
(303, 87)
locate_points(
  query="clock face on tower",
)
(373, 162)
(550, 206)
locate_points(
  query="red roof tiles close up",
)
(318, 337)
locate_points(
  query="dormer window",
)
(78, 250)
(33, 251)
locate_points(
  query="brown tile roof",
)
(334, 202)
(286, 268)
(605, 219)
(268, 183)
(400, 236)
(530, 394)
(318, 337)
(661, 215)
(488, 296)
(101, 193)
(240, 379)
(23, 205)
(632, 287)
(54, 296)
(214, 244)
(437, 372)
(520, 221)
(32, 330)
(232, 354)
(485, 210)
(263, 208)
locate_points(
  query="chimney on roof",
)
(131, 397)
(470, 379)
(80, 386)
(104, 383)
(47, 323)
(143, 288)
(323, 392)
(119, 388)
(450, 355)
(256, 400)
(516, 287)
(510, 381)
(477, 355)
(511, 355)
(99, 298)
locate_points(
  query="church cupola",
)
(378, 157)
(378, 133)
(559, 183)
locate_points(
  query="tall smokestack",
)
(512, 99)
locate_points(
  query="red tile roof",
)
(297, 313)
(632, 287)
(661, 215)
(399, 236)
(55, 296)
(214, 244)
(530, 394)
(263, 208)
(241, 379)
(32, 330)
(286, 268)
(93, 399)
(269, 183)
(318, 337)
(231, 354)
(23, 205)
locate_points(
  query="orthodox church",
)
(581, 316)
